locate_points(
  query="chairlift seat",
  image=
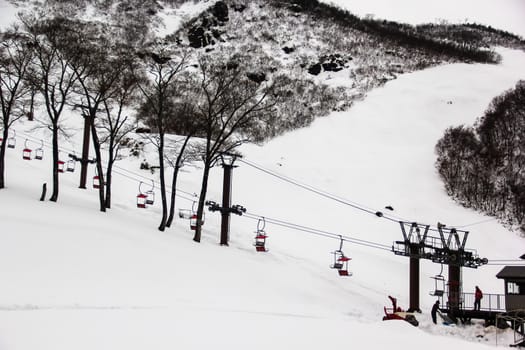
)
(70, 166)
(185, 214)
(61, 166)
(344, 258)
(26, 153)
(39, 153)
(141, 200)
(437, 293)
(96, 181)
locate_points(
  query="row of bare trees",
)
(90, 67)
(483, 167)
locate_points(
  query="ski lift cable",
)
(505, 264)
(136, 180)
(370, 244)
(293, 182)
(65, 150)
(320, 192)
(342, 200)
(507, 260)
(289, 180)
(288, 224)
(319, 232)
(46, 144)
(477, 223)
(156, 183)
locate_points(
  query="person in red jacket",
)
(478, 295)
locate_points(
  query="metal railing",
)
(489, 302)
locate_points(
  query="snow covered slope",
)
(76, 278)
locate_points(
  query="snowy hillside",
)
(506, 15)
(75, 278)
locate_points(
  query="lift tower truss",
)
(448, 248)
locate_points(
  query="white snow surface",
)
(75, 278)
(508, 15)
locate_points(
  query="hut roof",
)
(512, 272)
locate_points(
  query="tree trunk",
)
(109, 172)
(174, 181)
(202, 200)
(108, 183)
(54, 195)
(100, 171)
(2, 158)
(164, 202)
(173, 196)
(88, 121)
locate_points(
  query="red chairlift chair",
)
(96, 181)
(61, 165)
(193, 222)
(260, 236)
(341, 261)
(193, 217)
(26, 152)
(141, 200)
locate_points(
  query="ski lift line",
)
(134, 179)
(46, 144)
(156, 183)
(282, 177)
(477, 223)
(504, 264)
(331, 234)
(320, 192)
(344, 201)
(508, 260)
(64, 150)
(321, 233)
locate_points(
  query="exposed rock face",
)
(314, 69)
(220, 11)
(257, 77)
(205, 30)
(330, 63)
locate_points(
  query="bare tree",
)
(51, 75)
(184, 122)
(233, 104)
(15, 57)
(115, 124)
(100, 66)
(163, 65)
